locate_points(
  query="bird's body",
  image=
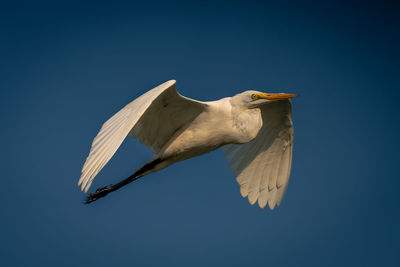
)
(219, 124)
(178, 128)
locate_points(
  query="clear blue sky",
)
(66, 67)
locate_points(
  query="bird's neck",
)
(247, 122)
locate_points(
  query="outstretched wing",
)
(262, 166)
(152, 118)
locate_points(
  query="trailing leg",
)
(102, 192)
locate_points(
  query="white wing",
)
(262, 166)
(152, 118)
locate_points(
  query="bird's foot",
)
(101, 192)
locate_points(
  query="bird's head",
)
(253, 99)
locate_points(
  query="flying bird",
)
(254, 130)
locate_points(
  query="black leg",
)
(102, 192)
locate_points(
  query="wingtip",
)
(170, 82)
(86, 189)
(253, 196)
(243, 191)
(80, 180)
(262, 205)
(81, 185)
(251, 201)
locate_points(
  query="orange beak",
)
(276, 97)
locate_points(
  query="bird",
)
(254, 130)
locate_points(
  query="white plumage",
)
(254, 130)
(263, 165)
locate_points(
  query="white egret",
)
(254, 130)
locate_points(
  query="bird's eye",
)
(254, 96)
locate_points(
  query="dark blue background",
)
(67, 67)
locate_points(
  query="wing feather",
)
(262, 166)
(284, 179)
(263, 198)
(143, 118)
